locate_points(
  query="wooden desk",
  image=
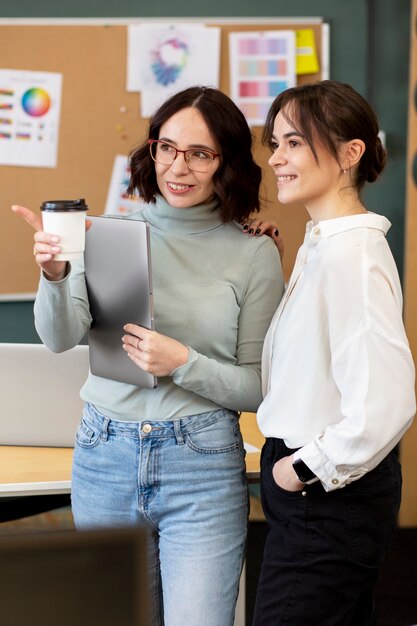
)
(30, 471)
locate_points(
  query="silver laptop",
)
(118, 276)
(40, 401)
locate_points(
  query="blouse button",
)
(335, 481)
(317, 231)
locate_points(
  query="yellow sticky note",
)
(306, 52)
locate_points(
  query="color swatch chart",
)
(29, 117)
(262, 65)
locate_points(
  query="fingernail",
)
(54, 239)
(276, 232)
(251, 231)
(245, 227)
(257, 231)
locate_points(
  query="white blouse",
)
(338, 376)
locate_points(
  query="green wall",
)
(369, 49)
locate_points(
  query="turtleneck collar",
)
(190, 221)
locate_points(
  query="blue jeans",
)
(185, 481)
(324, 549)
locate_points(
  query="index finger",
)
(137, 331)
(31, 218)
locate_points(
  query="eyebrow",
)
(193, 146)
(292, 133)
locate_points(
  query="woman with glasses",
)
(172, 457)
(338, 376)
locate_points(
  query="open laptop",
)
(119, 284)
(40, 401)
(75, 578)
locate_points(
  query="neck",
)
(344, 204)
(189, 220)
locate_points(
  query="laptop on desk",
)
(40, 401)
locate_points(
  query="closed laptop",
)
(40, 401)
(119, 285)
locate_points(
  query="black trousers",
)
(324, 549)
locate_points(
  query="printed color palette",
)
(263, 90)
(262, 65)
(263, 45)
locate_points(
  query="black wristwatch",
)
(304, 473)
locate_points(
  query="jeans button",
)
(146, 428)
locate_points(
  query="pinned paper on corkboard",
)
(306, 52)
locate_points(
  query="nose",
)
(180, 166)
(277, 157)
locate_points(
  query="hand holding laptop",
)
(153, 352)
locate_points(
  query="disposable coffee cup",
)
(66, 218)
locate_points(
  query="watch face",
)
(303, 472)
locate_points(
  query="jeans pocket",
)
(219, 437)
(269, 457)
(87, 435)
(281, 490)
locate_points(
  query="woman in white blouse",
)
(338, 376)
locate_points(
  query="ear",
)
(351, 153)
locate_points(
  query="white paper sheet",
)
(117, 202)
(164, 59)
(30, 104)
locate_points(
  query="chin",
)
(283, 199)
(180, 203)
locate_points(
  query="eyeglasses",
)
(196, 159)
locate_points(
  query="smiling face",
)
(180, 186)
(300, 177)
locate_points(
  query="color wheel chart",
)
(29, 117)
(262, 64)
(169, 59)
(36, 102)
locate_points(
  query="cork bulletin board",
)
(100, 119)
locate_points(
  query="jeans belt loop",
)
(105, 429)
(178, 433)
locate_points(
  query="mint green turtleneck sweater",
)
(215, 290)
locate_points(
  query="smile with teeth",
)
(285, 179)
(178, 187)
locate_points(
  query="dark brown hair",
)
(238, 178)
(331, 112)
